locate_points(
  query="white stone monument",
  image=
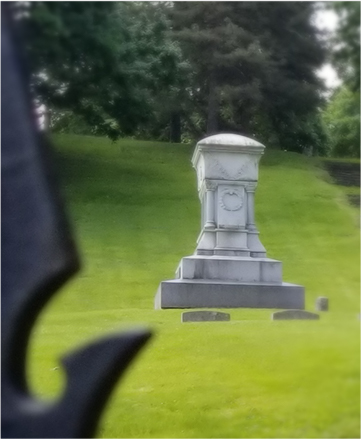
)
(229, 268)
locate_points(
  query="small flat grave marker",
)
(321, 304)
(205, 316)
(294, 314)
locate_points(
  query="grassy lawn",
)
(135, 213)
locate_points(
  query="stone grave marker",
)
(294, 314)
(205, 316)
(229, 268)
(321, 304)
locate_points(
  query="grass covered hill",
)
(135, 213)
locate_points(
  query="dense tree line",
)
(180, 70)
(106, 62)
(254, 68)
(342, 114)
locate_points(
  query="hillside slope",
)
(135, 213)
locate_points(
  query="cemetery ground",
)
(135, 214)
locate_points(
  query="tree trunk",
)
(212, 116)
(175, 127)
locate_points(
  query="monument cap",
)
(230, 140)
(227, 143)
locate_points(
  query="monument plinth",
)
(229, 268)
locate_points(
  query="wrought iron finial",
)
(38, 257)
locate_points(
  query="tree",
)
(342, 115)
(254, 68)
(104, 61)
(346, 54)
(342, 118)
(216, 48)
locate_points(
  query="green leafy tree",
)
(342, 118)
(342, 114)
(254, 69)
(104, 61)
(346, 52)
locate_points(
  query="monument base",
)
(184, 293)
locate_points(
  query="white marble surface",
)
(229, 268)
(227, 175)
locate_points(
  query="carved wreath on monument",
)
(231, 199)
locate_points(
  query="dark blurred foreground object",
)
(38, 257)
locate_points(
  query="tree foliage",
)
(342, 118)
(105, 61)
(346, 53)
(342, 115)
(154, 69)
(254, 68)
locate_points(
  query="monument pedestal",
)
(229, 282)
(229, 268)
(180, 293)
